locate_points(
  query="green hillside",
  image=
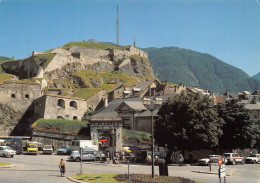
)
(191, 68)
(257, 76)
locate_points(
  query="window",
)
(67, 117)
(26, 96)
(73, 104)
(61, 103)
(75, 118)
(13, 95)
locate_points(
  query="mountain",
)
(191, 68)
(257, 76)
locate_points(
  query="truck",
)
(17, 144)
(76, 144)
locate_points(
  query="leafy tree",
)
(241, 129)
(189, 122)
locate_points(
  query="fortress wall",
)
(94, 100)
(128, 52)
(90, 52)
(53, 110)
(19, 95)
(58, 62)
(61, 51)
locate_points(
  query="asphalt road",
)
(44, 169)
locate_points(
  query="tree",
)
(188, 121)
(241, 129)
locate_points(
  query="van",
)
(76, 144)
(17, 144)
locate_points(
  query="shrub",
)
(59, 125)
(136, 135)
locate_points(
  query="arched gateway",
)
(109, 127)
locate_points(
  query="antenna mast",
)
(117, 27)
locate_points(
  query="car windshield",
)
(8, 148)
(227, 155)
(253, 155)
(47, 147)
(32, 146)
(64, 147)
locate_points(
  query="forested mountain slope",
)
(191, 68)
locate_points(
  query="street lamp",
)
(112, 138)
(151, 105)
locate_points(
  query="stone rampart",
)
(90, 52)
(55, 106)
(19, 95)
(128, 52)
(54, 138)
(95, 99)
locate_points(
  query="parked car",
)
(205, 161)
(47, 149)
(253, 158)
(63, 150)
(233, 158)
(6, 151)
(88, 154)
(32, 148)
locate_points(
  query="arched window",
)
(73, 104)
(13, 95)
(60, 117)
(26, 96)
(61, 103)
(75, 118)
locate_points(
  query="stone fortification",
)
(19, 95)
(94, 101)
(91, 52)
(55, 106)
(56, 139)
(128, 52)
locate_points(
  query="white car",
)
(6, 151)
(47, 149)
(205, 161)
(233, 158)
(253, 158)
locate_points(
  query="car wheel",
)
(233, 162)
(12, 156)
(3, 155)
(254, 161)
(243, 162)
(77, 159)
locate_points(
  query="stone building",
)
(19, 95)
(60, 107)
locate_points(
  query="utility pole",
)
(117, 27)
(28, 44)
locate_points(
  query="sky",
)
(226, 29)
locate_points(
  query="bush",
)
(146, 178)
(59, 125)
(136, 135)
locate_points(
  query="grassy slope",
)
(86, 74)
(93, 45)
(198, 69)
(59, 125)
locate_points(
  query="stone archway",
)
(109, 127)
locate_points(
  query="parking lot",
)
(44, 168)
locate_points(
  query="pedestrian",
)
(62, 167)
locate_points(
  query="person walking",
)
(62, 167)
